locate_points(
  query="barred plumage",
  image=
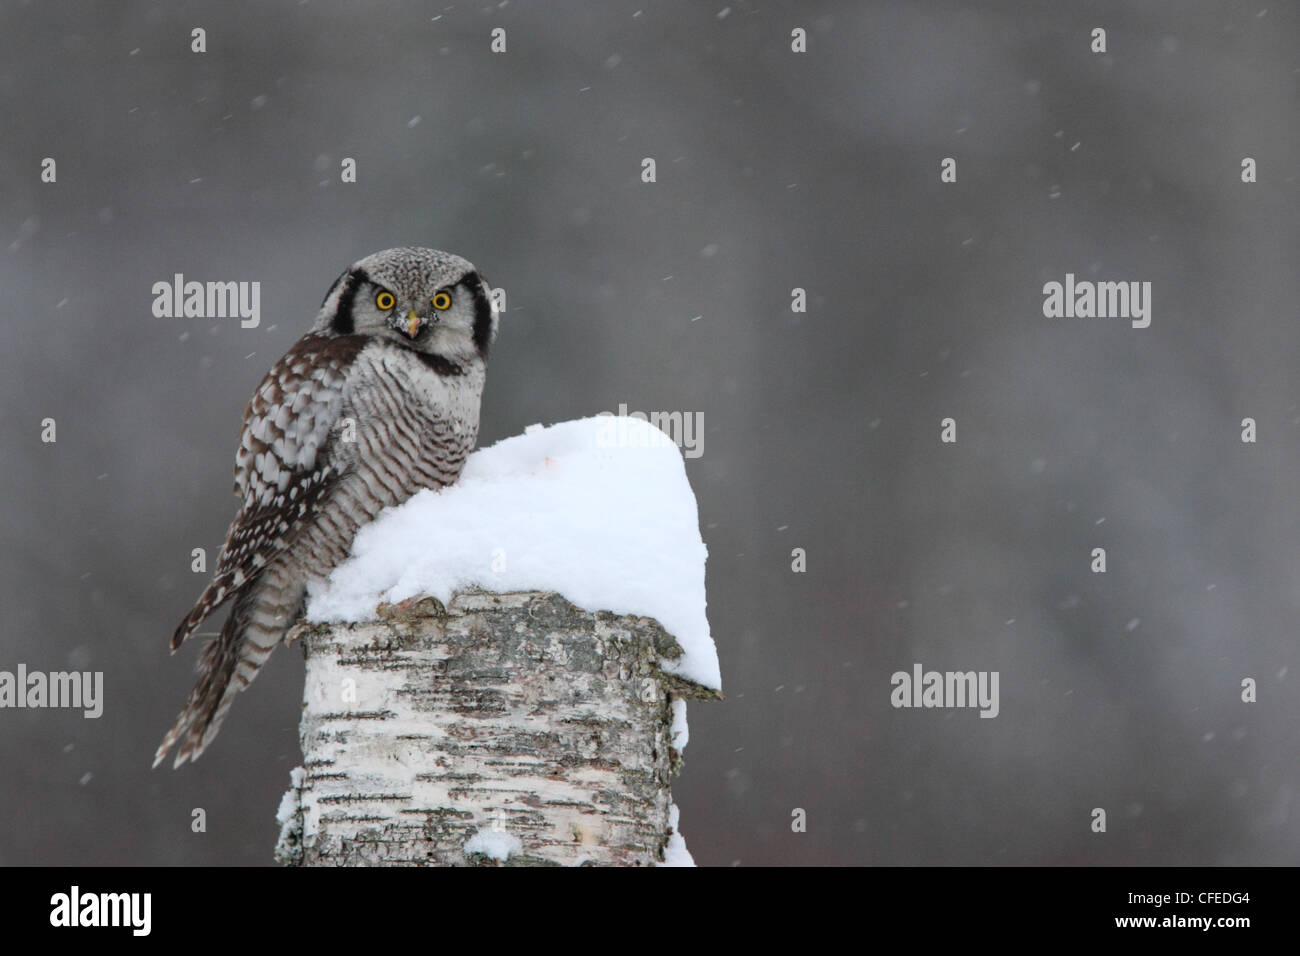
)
(378, 400)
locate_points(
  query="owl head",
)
(421, 299)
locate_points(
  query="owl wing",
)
(285, 463)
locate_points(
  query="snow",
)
(675, 853)
(679, 734)
(289, 802)
(286, 814)
(598, 510)
(494, 844)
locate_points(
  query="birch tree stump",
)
(502, 728)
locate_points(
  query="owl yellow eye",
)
(442, 301)
(385, 301)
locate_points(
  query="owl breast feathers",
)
(379, 400)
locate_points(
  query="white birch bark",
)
(511, 726)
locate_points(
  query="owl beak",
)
(412, 324)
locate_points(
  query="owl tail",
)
(229, 663)
(218, 592)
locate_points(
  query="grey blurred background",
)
(775, 170)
